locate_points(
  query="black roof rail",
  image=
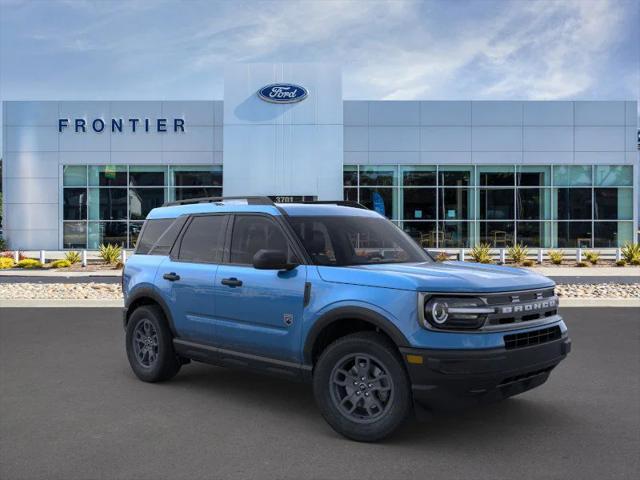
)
(340, 203)
(250, 201)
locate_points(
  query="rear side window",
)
(168, 238)
(152, 231)
(203, 240)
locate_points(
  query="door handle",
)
(231, 282)
(172, 277)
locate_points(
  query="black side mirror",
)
(272, 260)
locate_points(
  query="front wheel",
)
(361, 387)
(150, 345)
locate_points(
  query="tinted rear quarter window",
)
(168, 238)
(203, 241)
(152, 231)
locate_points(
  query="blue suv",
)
(337, 295)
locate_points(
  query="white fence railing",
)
(538, 255)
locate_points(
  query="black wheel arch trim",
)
(352, 313)
(150, 293)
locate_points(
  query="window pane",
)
(612, 234)
(613, 203)
(74, 175)
(424, 233)
(378, 175)
(190, 193)
(456, 204)
(351, 194)
(419, 203)
(573, 203)
(204, 239)
(107, 232)
(454, 235)
(419, 176)
(153, 229)
(497, 234)
(455, 176)
(496, 176)
(572, 175)
(197, 176)
(615, 175)
(74, 235)
(533, 176)
(75, 204)
(107, 204)
(134, 232)
(574, 234)
(350, 175)
(143, 200)
(108, 176)
(534, 234)
(252, 233)
(164, 244)
(147, 176)
(533, 203)
(380, 200)
(496, 204)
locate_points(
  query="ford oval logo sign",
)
(283, 93)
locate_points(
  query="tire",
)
(384, 400)
(151, 356)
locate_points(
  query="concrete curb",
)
(23, 273)
(81, 303)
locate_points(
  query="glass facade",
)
(451, 206)
(108, 203)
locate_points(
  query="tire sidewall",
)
(376, 346)
(166, 361)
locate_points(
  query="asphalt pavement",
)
(70, 408)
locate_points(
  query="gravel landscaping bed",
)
(111, 291)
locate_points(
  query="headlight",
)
(455, 312)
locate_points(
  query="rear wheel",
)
(361, 387)
(150, 345)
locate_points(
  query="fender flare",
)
(151, 293)
(351, 313)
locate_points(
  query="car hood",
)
(437, 277)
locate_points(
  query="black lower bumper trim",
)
(454, 378)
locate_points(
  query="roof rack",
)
(340, 203)
(250, 201)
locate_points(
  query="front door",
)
(187, 279)
(259, 311)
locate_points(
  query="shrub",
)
(481, 253)
(528, 263)
(631, 253)
(518, 253)
(73, 257)
(592, 257)
(29, 263)
(621, 263)
(61, 264)
(110, 253)
(3, 244)
(21, 255)
(582, 264)
(556, 256)
(6, 262)
(442, 257)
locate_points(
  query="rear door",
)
(259, 311)
(187, 278)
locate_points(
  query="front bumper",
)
(456, 378)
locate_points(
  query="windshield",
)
(349, 240)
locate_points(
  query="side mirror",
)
(272, 260)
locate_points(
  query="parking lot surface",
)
(70, 408)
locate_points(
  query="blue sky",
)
(568, 49)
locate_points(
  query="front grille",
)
(517, 307)
(535, 337)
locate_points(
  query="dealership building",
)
(450, 173)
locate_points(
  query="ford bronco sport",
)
(337, 295)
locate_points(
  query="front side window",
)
(350, 240)
(203, 240)
(252, 233)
